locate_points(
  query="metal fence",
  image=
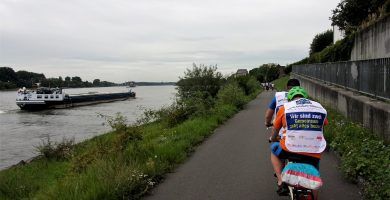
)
(367, 76)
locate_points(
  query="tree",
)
(269, 72)
(349, 14)
(60, 81)
(203, 79)
(197, 90)
(96, 82)
(256, 72)
(28, 79)
(67, 81)
(76, 79)
(8, 78)
(321, 41)
(51, 82)
(231, 93)
(266, 72)
(106, 84)
(87, 84)
(249, 84)
(76, 82)
(7, 74)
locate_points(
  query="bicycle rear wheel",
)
(303, 196)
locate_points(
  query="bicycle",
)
(296, 174)
(296, 189)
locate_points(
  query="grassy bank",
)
(114, 165)
(365, 159)
(127, 162)
(280, 84)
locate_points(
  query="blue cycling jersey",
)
(272, 105)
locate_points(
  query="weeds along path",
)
(234, 163)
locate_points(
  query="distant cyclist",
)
(279, 99)
(303, 121)
(272, 86)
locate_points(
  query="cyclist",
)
(279, 99)
(272, 86)
(303, 120)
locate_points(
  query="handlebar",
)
(268, 126)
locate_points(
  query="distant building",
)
(337, 34)
(242, 72)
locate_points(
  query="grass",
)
(280, 84)
(23, 181)
(131, 159)
(365, 159)
(115, 165)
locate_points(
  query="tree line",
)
(9, 79)
(268, 72)
(350, 16)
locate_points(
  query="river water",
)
(21, 131)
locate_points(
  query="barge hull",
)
(74, 101)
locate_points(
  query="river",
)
(21, 131)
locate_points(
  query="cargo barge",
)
(49, 98)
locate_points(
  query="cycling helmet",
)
(297, 90)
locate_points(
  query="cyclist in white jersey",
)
(303, 121)
(279, 99)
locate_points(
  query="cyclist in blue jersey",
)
(279, 99)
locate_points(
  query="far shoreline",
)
(137, 84)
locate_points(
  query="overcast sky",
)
(155, 40)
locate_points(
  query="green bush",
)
(321, 41)
(340, 51)
(57, 150)
(252, 87)
(232, 94)
(287, 69)
(204, 79)
(249, 84)
(176, 113)
(199, 104)
(365, 158)
(117, 122)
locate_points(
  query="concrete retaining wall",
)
(373, 114)
(373, 42)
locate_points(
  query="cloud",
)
(155, 40)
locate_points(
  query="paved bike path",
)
(234, 163)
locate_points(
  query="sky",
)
(155, 40)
